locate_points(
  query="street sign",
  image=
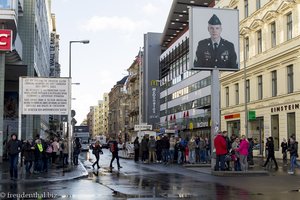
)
(142, 127)
(251, 115)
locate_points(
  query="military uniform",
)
(215, 55)
(223, 56)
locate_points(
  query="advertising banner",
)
(214, 39)
(6, 40)
(44, 96)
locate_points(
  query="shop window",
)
(291, 124)
(275, 131)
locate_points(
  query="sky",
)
(115, 29)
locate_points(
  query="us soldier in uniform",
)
(215, 51)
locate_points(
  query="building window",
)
(258, 4)
(246, 47)
(227, 96)
(274, 83)
(291, 124)
(246, 8)
(260, 87)
(259, 42)
(237, 94)
(6, 4)
(289, 25)
(273, 34)
(248, 90)
(290, 79)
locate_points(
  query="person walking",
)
(243, 153)
(271, 152)
(284, 148)
(38, 155)
(221, 150)
(293, 149)
(113, 146)
(76, 151)
(159, 148)
(97, 150)
(55, 151)
(65, 151)
(172, 148)
(136, 146)
(14, 147)
(28, 150)
(166, 149)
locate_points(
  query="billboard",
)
(214, 39)
(44, 96)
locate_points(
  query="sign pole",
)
(215, 110)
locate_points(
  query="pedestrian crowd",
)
(38, 155)
(166, 149)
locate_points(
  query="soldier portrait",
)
(214, 51)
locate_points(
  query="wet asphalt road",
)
(156, 181)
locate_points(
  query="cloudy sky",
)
(115, 29)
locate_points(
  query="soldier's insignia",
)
(225, 55)
(207, 55)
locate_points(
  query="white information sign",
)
(44, 96)
(142, 127)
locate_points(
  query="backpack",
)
(112, 147)
(49, 149)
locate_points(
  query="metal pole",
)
(70, 107)
(215, 109)
(140, 89)
(2, 74)
(245, 89)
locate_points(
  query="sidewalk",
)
(53, 174)
(253, 170)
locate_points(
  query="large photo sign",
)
(214, 39)
(44, 96)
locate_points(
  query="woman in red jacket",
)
(221, 150)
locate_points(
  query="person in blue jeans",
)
(293, 149)
(14, 147)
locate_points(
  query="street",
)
(157, 181)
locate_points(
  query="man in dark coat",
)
(215, 51)
(113, 147)
(14, 146)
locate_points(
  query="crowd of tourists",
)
(236, 153)
(165, 149)
(38, 155)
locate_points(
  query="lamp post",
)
(70, 127)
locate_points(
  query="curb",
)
(66, 177)
(196, 165)
(239, 173)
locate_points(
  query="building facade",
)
(184, 94)
(103, 115)
(31, 23)
(150, 83)
(118, 110)
(263, 98)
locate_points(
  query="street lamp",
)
(70, 135)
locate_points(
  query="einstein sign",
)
(44, 96)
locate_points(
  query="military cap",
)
(214, 20)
